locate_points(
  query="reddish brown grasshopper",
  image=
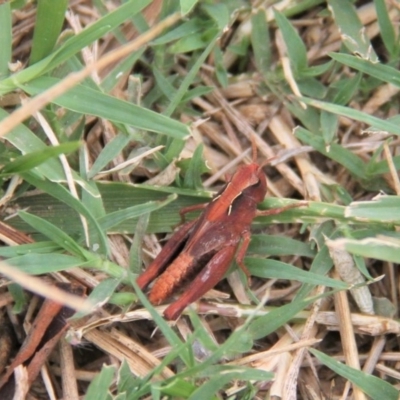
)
(208, 244)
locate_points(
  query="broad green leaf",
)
(180, 388)
(101, 294)
(116, 196)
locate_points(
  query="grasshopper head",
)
(251, 181)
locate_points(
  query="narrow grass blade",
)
(85, 100)
(382, 208)
(71, 47)
(5, 38)
(378, 123)
(279, 270)
(260, 42)
(99, 387)
(55, 234)
(386, 28)
(336, 152)
(34, 159)
(279, 246)
(49, 20)
(352, 30)
(108, 153)
(372, 386)
(381, 248)
(296, 49)
(187, 6)
(38, 264)
(62, 194)
(115, 218)
(385, 73)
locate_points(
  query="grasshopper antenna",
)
(254, 148)
(254, 152)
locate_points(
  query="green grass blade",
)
(59, 192)
(273, 269)
(354, 114)
(37, 248)
(38, 264)
(115, 218)
(108, 153)
(351, 29)
(221, 376)
(296, 49)
(382, 208)
(279, 246)
(55, 234)
(190, 77)
(187, 6)
(72, 46)
(99, 387)
(168, 332)
(261, 42)
(5, 38)
(386, 28)
(383, 248)
(385, 73)
(36, 158)
(49, 20)
(336, 152)
(263, 326)
(372, 386)
(85, 100)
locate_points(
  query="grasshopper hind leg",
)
(208, 277)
